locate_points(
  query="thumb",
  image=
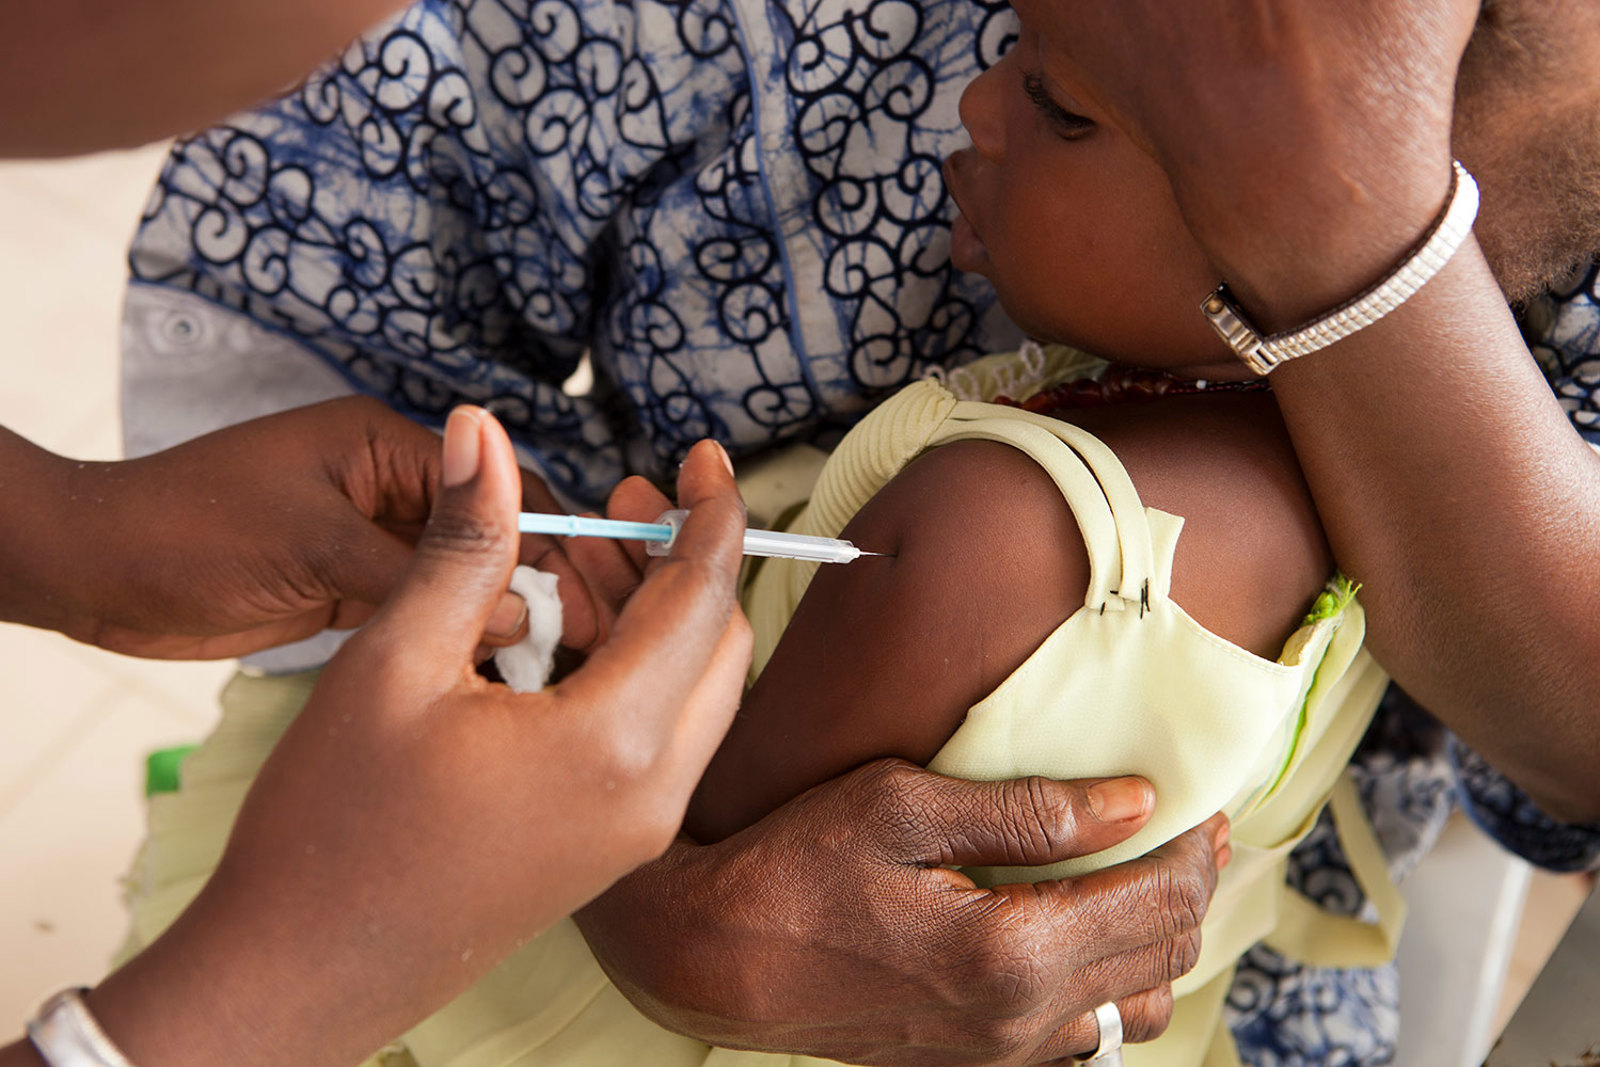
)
(1022, 822)
(462, 565)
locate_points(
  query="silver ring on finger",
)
(1108, 1053)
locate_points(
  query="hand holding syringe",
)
(658, 536)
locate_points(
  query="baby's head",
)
(1079, 232)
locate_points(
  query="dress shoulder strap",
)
(1115, 525)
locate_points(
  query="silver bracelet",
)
(1263, 353)
(66, 1035)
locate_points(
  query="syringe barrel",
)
(772, 543)
(798, 546)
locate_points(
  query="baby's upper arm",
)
(884, 656)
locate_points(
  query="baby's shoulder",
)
(1253, 555)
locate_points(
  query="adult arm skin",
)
(1308, 147)
(830, 926)
(349, 902)
(81, 75)
(833, 928)
(249, 537)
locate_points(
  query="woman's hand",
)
(250, 537)
(417, 823)
(1308, 143)
(834, 928)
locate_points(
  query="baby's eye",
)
(1068, 124)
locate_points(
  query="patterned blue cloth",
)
(736, 207)
(465, 202)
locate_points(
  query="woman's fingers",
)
(1021, 822)
(438, 614)
(1181, 875)
(670, 631)
(1145, 1017)
(608, 569)
(636, 500)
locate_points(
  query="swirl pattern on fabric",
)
(735, 207)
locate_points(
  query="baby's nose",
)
(983, 112)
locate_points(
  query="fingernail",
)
(463, 447)
(1224, 835)
(723, 452)
(1224, 856)
(507, 617)
(1119, 799)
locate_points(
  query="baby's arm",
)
(884, 657)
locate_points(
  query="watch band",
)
(1262, 353)
(66, 1035)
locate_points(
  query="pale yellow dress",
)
(1129, 684)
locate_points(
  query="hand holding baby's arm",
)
(832, 927)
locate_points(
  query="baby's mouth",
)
(967, 249)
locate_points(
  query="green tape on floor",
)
(161, 769)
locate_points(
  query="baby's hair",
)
(1527, 124)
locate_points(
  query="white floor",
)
(76, 723)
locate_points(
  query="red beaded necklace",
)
(1119, 385)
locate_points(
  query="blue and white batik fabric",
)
(723, 201)
(736, 208)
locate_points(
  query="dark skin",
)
(1469, 514)
(98, 74)
(400, 746)
(1306, 145)
(1031, 972)
(250, 537)
(988, 560)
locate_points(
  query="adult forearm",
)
(37, 585)
(252, 988)
(1309, 147)
(1458, 494)
(87, 74)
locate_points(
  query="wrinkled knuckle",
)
(1182, 954)
(1183, 898)
(1149, 1017)
(1032, 822)
(893, 784)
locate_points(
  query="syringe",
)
(658, 536)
